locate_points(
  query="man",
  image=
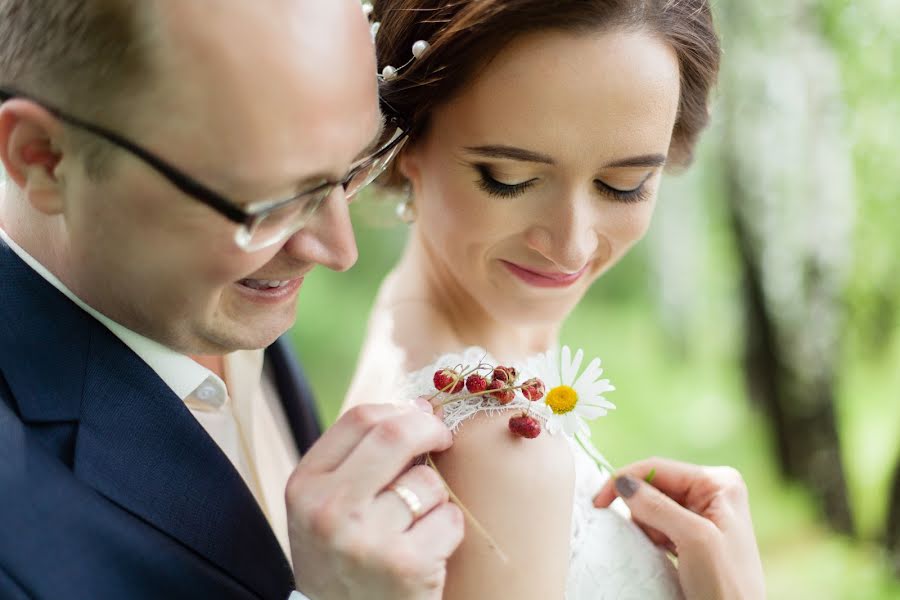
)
(175, 168)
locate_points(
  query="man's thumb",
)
(651, 507)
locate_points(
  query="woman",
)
(537, 135)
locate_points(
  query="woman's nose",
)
(567, 234)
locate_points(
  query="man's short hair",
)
(84, 56)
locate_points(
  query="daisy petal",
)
(571, 423)
(554, 425)
(596, 388)
(550, 368)
(590, 412)
(591, 373)
(569, 367)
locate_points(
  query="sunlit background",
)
(757, 324)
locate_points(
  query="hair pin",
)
(419, 48)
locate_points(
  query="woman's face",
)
(544, 170)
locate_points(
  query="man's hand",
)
(352, 537)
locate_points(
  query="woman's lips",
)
(543, 279)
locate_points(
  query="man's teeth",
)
(264, 284)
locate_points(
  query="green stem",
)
(595, 455)
(453, 399)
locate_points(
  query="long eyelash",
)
(493, 187)
(638, 194)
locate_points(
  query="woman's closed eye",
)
(489, 183)
(501, 187)
(636, 194)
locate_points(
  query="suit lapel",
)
(137, 444)
(295, 394)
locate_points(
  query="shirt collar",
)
(179, 372)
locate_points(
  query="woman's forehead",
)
(564, 92)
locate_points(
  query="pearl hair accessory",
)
(418, 49)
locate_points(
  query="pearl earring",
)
(406, 210)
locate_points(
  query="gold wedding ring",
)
(410, 499)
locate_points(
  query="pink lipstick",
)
(543, 279)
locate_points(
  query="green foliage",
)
(864, 35)
(686, 400)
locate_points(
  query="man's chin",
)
(244, 336)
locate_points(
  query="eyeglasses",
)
(260, 224)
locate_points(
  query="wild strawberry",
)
(501, 393)
(533, 389)
(475, 383)
(525, 425)
(505, 374)
(448, 380)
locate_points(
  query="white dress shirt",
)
(245, 419)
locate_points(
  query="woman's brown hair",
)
(464, 35)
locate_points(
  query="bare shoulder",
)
(521, 491)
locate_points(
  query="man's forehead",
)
(272, 81)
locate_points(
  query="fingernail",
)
(626, 486)
(424, 405)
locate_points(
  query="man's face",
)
(257, 100)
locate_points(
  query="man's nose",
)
(327, 239)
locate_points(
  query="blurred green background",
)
(763, 306)
(795, 191)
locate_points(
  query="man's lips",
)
(545, 279)
(270, 290)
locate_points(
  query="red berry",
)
(505, 374)
(448, 380)
(533, 389)
(475, 383)
(525, 426)
(503, 395)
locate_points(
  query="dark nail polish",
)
(626, 486)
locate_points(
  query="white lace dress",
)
(610, 557)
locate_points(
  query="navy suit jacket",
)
(109, 487)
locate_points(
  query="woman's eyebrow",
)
(521, 154)
(510, 153)
(646, 160)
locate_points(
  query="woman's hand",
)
(702, 515)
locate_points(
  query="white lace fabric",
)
(610, 557)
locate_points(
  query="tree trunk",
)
(892, 534)
(789, 185)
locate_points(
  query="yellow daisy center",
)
(562, 399)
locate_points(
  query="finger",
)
(653, 508)
(387, 450)
(656, 536)
(438, 533)
(431, 404)
(390, 510)
(341, 438)
(423, 403)
(673, 478)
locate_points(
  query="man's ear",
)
(30, 153)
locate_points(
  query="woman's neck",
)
(421, 276)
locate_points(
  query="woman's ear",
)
(30, 153)
(409, 165)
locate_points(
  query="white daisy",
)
(570, 399)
